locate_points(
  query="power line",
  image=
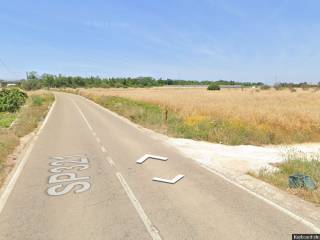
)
(5, 66)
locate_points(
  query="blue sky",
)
(271, 40)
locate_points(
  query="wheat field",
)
(280, 112)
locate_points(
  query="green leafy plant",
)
(11, 99)
(213, 87)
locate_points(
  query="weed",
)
(295, 162)
(6, 119)
(37, 100)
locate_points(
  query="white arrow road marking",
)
(146, 156)
(173, 181)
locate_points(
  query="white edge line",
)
(273, 204)
(13, 123)
(110, 161)
(82, 115)
(9, 187)
(148, 224)
(282, 209)
(103, 149)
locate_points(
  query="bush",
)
(11, 99)
(31, 84)
(213, 86)
(292, 89)
(265, 87)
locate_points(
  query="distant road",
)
(85, 149)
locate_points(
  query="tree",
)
(213, 87)
(32, 75)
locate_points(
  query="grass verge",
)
(295, 162)
(6, 119)
(28, 118)
(151, 116)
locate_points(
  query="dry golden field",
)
(282, 116)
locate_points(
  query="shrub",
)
(31, 84)
(213, 87)
(292, 89)
(11, 99)
(278, 87)
(265, 87)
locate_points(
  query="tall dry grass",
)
(283, 116)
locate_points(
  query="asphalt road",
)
(81, 181)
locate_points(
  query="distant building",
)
(11, 84)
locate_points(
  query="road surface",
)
(81, 181)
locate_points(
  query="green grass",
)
(145, 114)
(6, 119)
(37, 100)
(29, 116)
(295, 162)
(148, 115)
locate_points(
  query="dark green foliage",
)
(213, 86)
(11, 99)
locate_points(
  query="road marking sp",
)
(66, 177)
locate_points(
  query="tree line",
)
(296, 85)
(35, 81)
